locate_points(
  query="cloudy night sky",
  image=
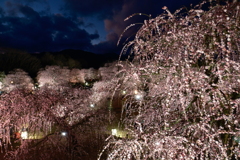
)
(90, 25)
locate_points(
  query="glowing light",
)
(63, 134)
(92, 105)
(138, 96)
(157, 143)
(24, 135)
(114, 132)
(135, 92)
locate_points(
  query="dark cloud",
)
(29, 12)
(2, 12)
(99, 8)
(108, 46)
(33, 32)
(24, 25)
(115, 25)
(29, 1)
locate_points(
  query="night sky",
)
(90, 25)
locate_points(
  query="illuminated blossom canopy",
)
(54, 120)
(178, 96)
(189, 67)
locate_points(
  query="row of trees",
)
(55, 77)
(64, 115)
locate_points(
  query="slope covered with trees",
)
(177, 97)
(65, 115)
(31, 63)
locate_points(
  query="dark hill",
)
(33, 62)
(88, 59)
(75, 58)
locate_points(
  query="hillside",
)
(32, 62)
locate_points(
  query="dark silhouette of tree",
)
(13, 60)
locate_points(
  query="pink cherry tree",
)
(55, 77)
(17, 79)
(49, 123)
(188, 100)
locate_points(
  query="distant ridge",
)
(11, 59)
(86, 59)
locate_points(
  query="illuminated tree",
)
(53, 77)
(51, 124)
(108, 71)
(2, 76)
(23, 111)
(188, 102)
(91, 75)
(17, 79)
(77, 76)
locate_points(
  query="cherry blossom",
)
(187, 64)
